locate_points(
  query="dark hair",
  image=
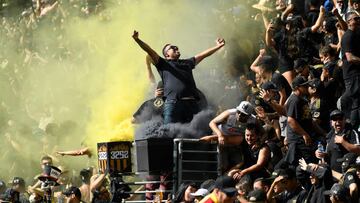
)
(180, 194)
(254, 127)
(347, 15)
(85, 175)
(46, 157)
(330, 25)
(268, 63)
(327, 50)
(163, 49)
(315, 3)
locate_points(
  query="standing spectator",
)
(350, 47)
(18, 186)
(300, 135)
(349, 179)
(257, 155)
(331, 76)
(318, 104)
(340, 140)
(85, 175)
(265, 66)
(179, 84)
(229, 128)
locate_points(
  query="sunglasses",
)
(337, 119)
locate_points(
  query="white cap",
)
(245, 107)
(200, 192)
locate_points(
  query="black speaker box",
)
(154, 155)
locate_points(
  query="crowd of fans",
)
(292, 138)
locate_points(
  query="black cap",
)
(336, 113)
(339, 191)
(227, 185)
(288, 173)
(208, 184)
(256, 196)
(18, 181)
(299, 81)
(315, 83)
(319, 172)
(73, 190)
(300, 63)
(269, 86)
(349, 157)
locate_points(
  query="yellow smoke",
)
(99, 79)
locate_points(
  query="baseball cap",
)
(338, 191)
(299, 81)
(287, 173)
(349, 157)
(227, 185)
(336, 113)
(18, 181)
(315, 83)
(73, 190)
(245, 107)
(269, 86)
(200, 193)
(257, 196)
(300, 63)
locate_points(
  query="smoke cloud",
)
(69, 81)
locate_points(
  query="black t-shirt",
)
(281, 82)
(311, 17)
(349, 178)
(336, 151)
(149, 109)
(177, 78)
(309, 43)
(350, 42)
(320, 110)
(286, 63)
(298, 108)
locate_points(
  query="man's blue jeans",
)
(180, 111)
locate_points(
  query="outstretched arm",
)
(199, 57)
(149, 70)
(154, 56)
(80, 152)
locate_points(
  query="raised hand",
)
(135, 35)
(220, 42)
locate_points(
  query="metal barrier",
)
(193, 161)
